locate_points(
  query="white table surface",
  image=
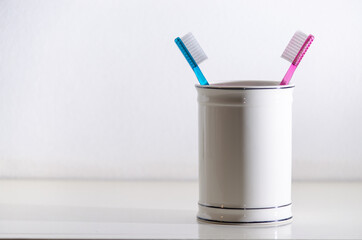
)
(159, 210)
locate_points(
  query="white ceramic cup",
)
(245, 146)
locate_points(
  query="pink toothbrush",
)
(294, 53)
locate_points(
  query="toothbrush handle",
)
(200, 76)
(288, 75)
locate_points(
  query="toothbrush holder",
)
(245, 148)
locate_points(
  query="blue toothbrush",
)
(193, 53)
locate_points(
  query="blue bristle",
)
(185, 52)
(191, 61)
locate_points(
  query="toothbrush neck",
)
(200, 76)
(288, 75)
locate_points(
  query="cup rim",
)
(246, 85)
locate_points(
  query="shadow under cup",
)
(245, 146)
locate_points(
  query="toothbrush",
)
(193, 53)
(294, 53)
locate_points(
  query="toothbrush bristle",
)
(304, 49)
(194, 48)
(294, 46)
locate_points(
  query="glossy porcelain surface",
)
(245, 144)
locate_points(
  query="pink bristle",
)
(303, 50)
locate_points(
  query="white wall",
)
(99, 89)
